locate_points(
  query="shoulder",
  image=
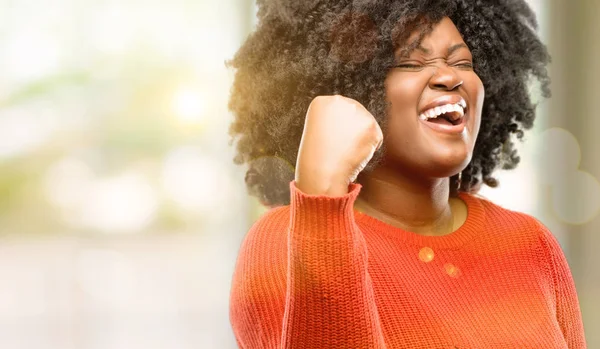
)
(264, 245)
(271, 226)
(500, 217)
(258, 285)
(507, 225)
(262, 256)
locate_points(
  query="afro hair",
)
(303, 49)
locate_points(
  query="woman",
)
(398, 253)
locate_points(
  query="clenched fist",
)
(340, 137)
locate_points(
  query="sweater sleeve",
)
(301, 279)
(329, 300)
(568, 313)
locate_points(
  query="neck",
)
(412, 204)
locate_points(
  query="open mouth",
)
(447, 114)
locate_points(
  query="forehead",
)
(444, 37)
(444, 33)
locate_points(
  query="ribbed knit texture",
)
(318, 274)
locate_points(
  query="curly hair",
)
(303, 49)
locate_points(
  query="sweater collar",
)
(465, 233)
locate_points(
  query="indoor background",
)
(121, 212)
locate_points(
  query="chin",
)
(428, 159)
(447, 164)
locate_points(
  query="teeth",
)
(447, 108)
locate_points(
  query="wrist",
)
(318, 185)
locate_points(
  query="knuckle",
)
(373, 125)
(317, 100)
(376, 130)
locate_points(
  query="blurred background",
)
(121, 212)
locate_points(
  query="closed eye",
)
(409, 66)
(465, 65)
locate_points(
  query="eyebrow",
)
(451, 49)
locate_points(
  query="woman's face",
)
(429, 90)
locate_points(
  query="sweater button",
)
(426, 254)
(452, 270)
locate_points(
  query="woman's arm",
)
(327, 291)
(329, 300)
(568, 313)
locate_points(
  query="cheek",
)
(476, 95)
(403, 91)
(478, 90)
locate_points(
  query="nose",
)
(444, 78)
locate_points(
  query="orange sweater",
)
(318, 274)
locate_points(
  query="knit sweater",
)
(319, 274)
